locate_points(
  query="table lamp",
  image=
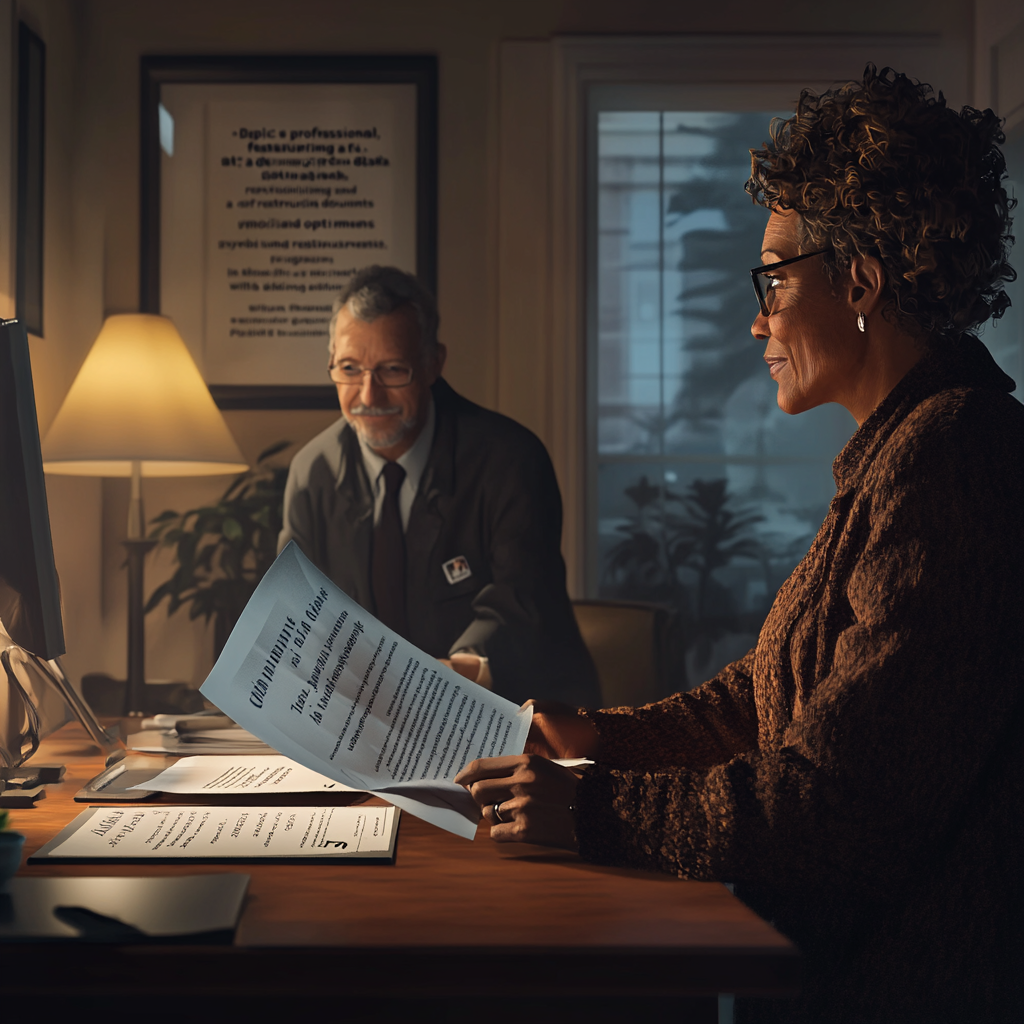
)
(139, 407)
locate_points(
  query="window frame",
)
(540, 217)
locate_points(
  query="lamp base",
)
(134, 692)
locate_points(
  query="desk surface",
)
(551, 919)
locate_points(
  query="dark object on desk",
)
(45, 773)
(30, 776)
(93, 927)
(29, 589)
(22, 797)
(35, 695)
(190, 908)
(19, 778)
(25, 779)
(106, 695)
(115, 782)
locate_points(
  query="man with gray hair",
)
(442, 518)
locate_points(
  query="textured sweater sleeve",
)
(699, 728)
(916, 673)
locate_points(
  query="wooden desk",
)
(452, 931)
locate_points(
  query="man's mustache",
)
(375, 410)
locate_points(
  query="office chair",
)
(634, 645)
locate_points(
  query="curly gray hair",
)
(377, 291)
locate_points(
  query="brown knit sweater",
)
(859, 775)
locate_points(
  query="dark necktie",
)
(388, 556)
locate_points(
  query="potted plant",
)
(223, 550)
(10, 848)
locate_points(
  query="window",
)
(623, 307)
(707, 495)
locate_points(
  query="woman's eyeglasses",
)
(765, 293)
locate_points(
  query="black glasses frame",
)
(768, 268)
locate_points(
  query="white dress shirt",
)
(414, 462)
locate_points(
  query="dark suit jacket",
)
(489, 494)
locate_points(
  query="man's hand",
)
(472, 666)
(558, 731)
(525, 799)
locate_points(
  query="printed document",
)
(202, 833)
(255, 773)
(320, 680)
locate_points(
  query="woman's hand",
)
(525, 799)
(558, 730)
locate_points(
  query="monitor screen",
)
(29, 590)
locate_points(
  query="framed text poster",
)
(266, 183)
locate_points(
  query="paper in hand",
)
(319, 679)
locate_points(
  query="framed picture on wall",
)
(266, 183)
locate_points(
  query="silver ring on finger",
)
(497, 814)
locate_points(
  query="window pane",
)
(708, 495)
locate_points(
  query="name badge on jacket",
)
(457, 569)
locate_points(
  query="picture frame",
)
(265, 182)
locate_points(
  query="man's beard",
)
(376, 439)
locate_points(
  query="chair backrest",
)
(632, 644)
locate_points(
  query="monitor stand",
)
(53, 672)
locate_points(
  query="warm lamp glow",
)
(139, 397)
(139, 407)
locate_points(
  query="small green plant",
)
(5, 821)
(223, 550)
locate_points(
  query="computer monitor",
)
(30, 609)
(29, 589)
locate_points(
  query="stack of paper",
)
(225, 833)
(213, 741)
(259, 774)
(312, 674)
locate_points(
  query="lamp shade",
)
(139, 397)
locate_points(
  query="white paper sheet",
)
(203, 832)
(257, 773)
(311, 673)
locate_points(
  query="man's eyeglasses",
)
(387, 375)
(766, 293)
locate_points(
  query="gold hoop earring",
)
(861, 323)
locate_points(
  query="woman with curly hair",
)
(858, 774)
